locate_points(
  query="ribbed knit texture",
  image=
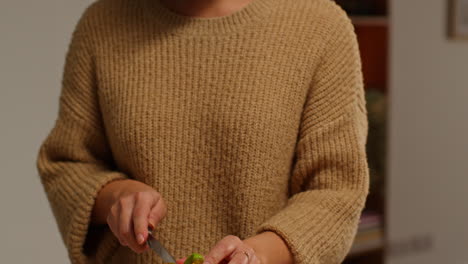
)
(249, 122)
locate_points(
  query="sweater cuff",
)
(81, 217)
(313, 233)
(284, 225)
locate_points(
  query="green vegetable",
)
(194, 259)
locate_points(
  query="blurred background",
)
(415, 64)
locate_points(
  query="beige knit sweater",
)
(244, 123)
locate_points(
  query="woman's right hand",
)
(131, 207)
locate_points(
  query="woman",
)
(235, 128)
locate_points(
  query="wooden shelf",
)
(372, 33)
(363, 253)
(370, 20)
(371, 257)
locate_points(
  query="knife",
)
(157, 247)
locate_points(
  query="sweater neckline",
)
(176, 23)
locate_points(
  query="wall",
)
(428, 159)
(34, 38)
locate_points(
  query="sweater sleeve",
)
(330, 177)
(74, 161)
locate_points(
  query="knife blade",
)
(157, 247)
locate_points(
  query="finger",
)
(239, 258)
(143, 203)
(113, 222)
(157, 213)
(254, 260)
(223, 249)
(126, 224)
(250, 253)
(243, 255)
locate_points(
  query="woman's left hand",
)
(232, 250)
(264, 248)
